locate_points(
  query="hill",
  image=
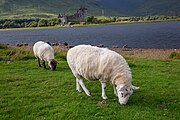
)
(143, 7)
(50, 8)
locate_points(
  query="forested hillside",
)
(50, 8)
(46, 7)
(143, 7)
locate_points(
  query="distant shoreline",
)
(91, 24)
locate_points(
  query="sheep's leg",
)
(115, 91)
(44, 64)
(84, 87)
(39, 62)
(103, 84)
(78, 87)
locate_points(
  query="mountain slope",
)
(95, 7)
(160, 7)
(143, 7)
(9, 7)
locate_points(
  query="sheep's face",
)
(124, 92)
(52, 64)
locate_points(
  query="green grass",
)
(28, 92)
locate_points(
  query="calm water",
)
(145, 35)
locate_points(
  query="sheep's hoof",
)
(79, 91)
(105, 97)
(89, 94)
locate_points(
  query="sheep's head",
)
(124, 92)
(52, 64)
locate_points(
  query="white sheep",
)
(43, 51)
(101, 64)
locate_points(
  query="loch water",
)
(143, 35)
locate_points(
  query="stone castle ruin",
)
(78, 17)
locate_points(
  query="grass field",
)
(28, 92)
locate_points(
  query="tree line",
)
(25, 23)
(93, 19)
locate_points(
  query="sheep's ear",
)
(134, 87)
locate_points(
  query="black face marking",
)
(125, 95)
(122, 94)
(48, 43)
(53, 64)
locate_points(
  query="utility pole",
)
(102, 12)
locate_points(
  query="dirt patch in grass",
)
(147, 53)
(61, 51)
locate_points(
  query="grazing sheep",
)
(102, 64)
(43, 51)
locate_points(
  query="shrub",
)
(53, 22)
(42, 23)
(33, 24)
(92, 19)
(16, 54)
(3, 46)
(174, 55)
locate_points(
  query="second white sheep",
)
(43, 51)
